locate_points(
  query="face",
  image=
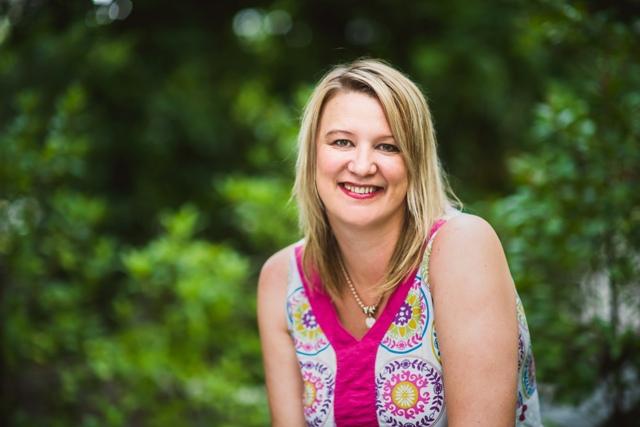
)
(360, 173)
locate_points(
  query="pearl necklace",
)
(368, 310)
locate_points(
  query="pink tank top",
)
(393, 375)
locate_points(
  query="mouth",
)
(360, 191)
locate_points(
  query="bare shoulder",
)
(282, 373)
(272, 287)
(466, 227)
(275, 269)
(473, 295)
(466, 246)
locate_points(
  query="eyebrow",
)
(331, 132)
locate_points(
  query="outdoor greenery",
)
(146, 161)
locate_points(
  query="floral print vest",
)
(392, 376)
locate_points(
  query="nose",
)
(363, 162)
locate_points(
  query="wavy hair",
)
(429, 195)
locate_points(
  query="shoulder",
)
(473, 296)
(467, 247)
(467, 225)
(274, 274)
(277, 265)
(281, 369)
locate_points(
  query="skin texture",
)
(471, 285)
(283, 379)
(473, 296)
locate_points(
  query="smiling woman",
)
(360, 173)
(346, 315)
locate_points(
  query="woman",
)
(348, 315)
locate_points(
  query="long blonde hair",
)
(429, 195)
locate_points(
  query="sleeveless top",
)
(392, 376)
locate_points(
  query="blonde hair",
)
(428, 195)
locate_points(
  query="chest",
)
(387, 375)
(352, 318)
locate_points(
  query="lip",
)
(360, 196)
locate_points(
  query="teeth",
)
(359, 190)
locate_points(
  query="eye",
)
(342, 143)
(389, 148)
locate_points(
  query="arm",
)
(475, 310)
(282, 373)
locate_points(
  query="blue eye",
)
(389, 148)
(342, 142)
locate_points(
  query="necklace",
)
(368, 310)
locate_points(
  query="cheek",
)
(396, 172)
(327, 165)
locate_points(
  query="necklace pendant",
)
(369, 321)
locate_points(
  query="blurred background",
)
(146, 157)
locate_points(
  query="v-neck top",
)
(392, 376)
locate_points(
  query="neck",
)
(367, 252)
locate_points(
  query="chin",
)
(361, 222)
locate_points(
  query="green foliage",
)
(263, 209)
(572, 223)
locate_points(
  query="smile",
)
(360, 191)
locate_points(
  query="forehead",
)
(355, 112)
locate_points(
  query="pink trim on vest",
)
(355, 390)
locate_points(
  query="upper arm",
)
(475, 313)
(282, 373)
